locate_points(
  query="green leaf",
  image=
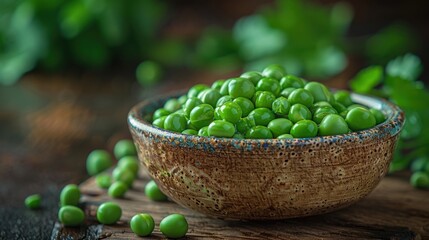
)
(408, 67)
(407, 94)
(367, 79)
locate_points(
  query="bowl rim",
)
(390, 127)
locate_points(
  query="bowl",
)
(267, 178)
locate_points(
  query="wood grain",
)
(394, 210)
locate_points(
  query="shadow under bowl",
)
(268, 178)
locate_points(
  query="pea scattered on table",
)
(109, 213)
(124, 175)
(152, 191)
(142, 224)
(33, 201)
(103, 180)
(70, 195)
(71, 216)
(98, 161)
(129, 162)
(117, 189)
(124, 147)
(174, 226)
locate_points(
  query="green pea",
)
(274, 71)
(210, 96)
(253, 76)
(190, 132)
(355, 105)
(319, 105)
(218, 84)
(270, 85)
(33, 201)
(98, 161)
(287, 91)
(217, 114)
(172, 105)
(201, 115)
(339, 107)
(180, 111)
(103, 180)
(159, 122)
(291, 81)
(245, 104)
(301, 96)
(281, 106)
(285, 136)
(319, 91)
(245, 124)
(230, 112)
(174, 226)
(175, 122)
(280, 126)
(299, 112)
(204, 132)
(124, 175)
(333, 124)
(70, 195)
(71, 216)
(224, 90)
(304, 129)
(359, 119)
(124, 147)
(117, 190)
(264, 99)
(152, 191)
(223, 100)
(221, 128)
(109, 213)
(322, 112)
(379, 116)
(420, 180)
(131, 163)
(182, 99)
(420, 164)
(343, 97)
(159, 113)
(196, 89)
(190, 104)
(262, 116)
(259, 132)
(142, 224)
(241, 87)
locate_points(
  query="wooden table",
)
(392, 211)
(49, 124)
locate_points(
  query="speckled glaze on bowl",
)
(266, 179)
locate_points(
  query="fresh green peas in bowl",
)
(305, 152)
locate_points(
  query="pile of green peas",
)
(265, 105)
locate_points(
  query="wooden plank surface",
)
(394, 210)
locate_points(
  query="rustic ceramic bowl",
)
(266, 179)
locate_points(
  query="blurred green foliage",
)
(84, 33)
(399, 83)
(306, 38)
